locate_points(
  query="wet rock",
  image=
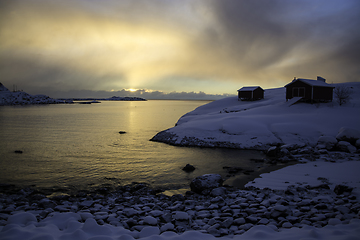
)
(272, 152)
(232, 170)
(340, 189)
(188, 168)
(206, 182)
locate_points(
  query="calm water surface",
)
(79, 146)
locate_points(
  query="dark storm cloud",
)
(261, 34)
(213, 46)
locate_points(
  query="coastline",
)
(225, 211)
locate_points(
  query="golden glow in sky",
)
(185, 46)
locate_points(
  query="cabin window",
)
(298, 92)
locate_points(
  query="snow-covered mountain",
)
(263, 123)
(22, 98)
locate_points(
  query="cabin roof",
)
(246, 89)
(311, 82)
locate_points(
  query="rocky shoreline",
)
(210, 207)
(216, 209)
(222, 211)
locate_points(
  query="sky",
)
(174, 49)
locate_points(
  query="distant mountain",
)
(114, 98)
(22, 98)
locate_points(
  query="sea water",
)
(79, 146)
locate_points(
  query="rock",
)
(350, 135)
(280, 208)
(181, 216)
(156, 213)
(286, 225)
(188, 168)
(167, 227)
(232, 170)
(227, 222)
(47, 203)
(148, 220)
(345, 147)
(129, 212)
(340, 189)
(206, 182)
(263, 221)
(334, 221)
(357, 143)
(272, 152)
(328, 141)
(239, 221)
(149, 231)
(177, 197)
(218, 192)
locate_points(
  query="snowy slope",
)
(22, 98)
(259, 124)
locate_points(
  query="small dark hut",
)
(310, 90)
(250, 93)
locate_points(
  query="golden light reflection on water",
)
(80, 145)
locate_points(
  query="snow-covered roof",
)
(312, 82)
(243, 89)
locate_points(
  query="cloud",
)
(264, 40)
(191, 46)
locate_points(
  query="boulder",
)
(357, 143)
(345, 147)
(328, 141)
(350, 135)
(340, 189)
(206, 182)
(220, 191)
(272, 152)
(188, 168)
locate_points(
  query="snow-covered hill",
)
(260, 124)
(22, 98)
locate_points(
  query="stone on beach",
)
(188, 168)
(206, 182)
(348, 134)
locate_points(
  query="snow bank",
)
(260, 124)
(313, 174)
